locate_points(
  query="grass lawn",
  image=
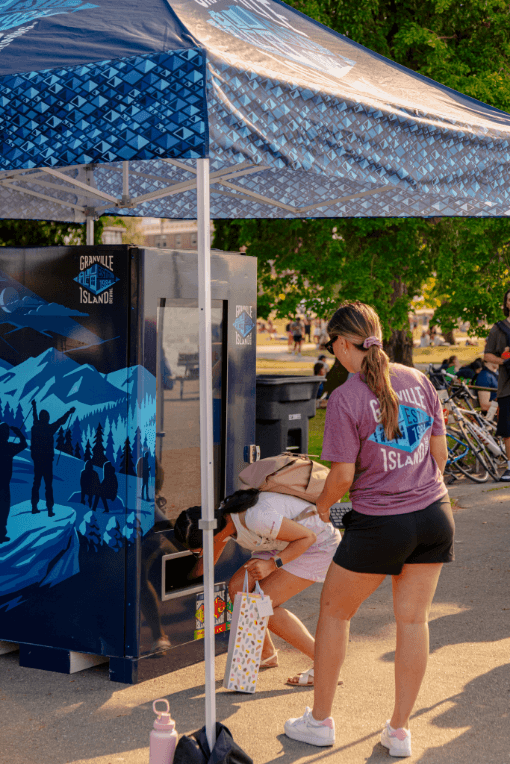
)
(315, 435)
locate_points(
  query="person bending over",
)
(291, 549)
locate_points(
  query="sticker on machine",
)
(96, 279)
(222, 611)
(244, 324)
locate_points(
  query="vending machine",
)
(100, 451)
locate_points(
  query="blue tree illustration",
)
(113, 535)
(133, 527)
(109, 449)
(88, 452)
(98, 455)
(77, 450)
(89, 528)
(61, 444)
(126, 462)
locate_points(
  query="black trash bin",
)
(284, 406)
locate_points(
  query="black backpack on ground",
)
(195, 749)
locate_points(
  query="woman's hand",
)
(259, 569)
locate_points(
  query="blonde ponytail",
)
(359, 324)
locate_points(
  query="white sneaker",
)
(398, 741)
(308, 730)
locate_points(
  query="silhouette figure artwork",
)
(143, 470)
(108, 487)
(42, 450)
(7, 453)
(89, 482)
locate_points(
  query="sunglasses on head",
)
(329, 345)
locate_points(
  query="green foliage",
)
(38, 233)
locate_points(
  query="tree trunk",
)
(449, 337)
(400, 347)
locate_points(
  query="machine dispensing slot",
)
(174, 581)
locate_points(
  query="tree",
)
(61, 445)
(113, 535)
(77, 451)
(68, 443)
(109, 448)
(89, 528)
(88, 452)
(98, 454)
(27, 233)
(126, 463)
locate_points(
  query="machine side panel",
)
(65, 392)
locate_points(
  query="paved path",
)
(462, 713)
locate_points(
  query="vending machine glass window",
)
(178, 403)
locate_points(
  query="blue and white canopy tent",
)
(225, 109)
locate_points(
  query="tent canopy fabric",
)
(105, 105)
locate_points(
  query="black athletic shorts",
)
(297, 337)
(503, 427)
(384, 543)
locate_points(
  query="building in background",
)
(170, 234)
(112, 234)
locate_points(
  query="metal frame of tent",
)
(95, 202)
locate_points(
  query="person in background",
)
(452, 362)
(385, 438)
(271, 329)
(317, 332)
(470, 371)
(319, 370)
(290, 339)
(308, 326)
(488, 377)
(496, 352)
(297, 328)
(425, 339)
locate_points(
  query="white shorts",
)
(312, 564)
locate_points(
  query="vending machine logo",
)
(96, 279)
(244, 324)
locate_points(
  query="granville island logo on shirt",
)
(413, 424)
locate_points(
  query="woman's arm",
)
(337, 484)
(300, 539)
(220, 541)
(439, 450)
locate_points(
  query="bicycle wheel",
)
(462, 459)
(485, 458)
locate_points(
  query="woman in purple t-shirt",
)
(385, 437)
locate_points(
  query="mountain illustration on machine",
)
(55, 380)
(133, 380)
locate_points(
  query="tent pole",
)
(90, 230)
(206, 437)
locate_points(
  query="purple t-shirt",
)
(391, 477)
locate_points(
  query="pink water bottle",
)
(163, 738)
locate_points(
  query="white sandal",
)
(303, 679)
(263, 664)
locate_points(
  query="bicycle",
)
(470, 428)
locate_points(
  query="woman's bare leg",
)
(343, 592)
(413, 592)
(280, 586)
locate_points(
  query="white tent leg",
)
(206, 437)
(90, 230)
